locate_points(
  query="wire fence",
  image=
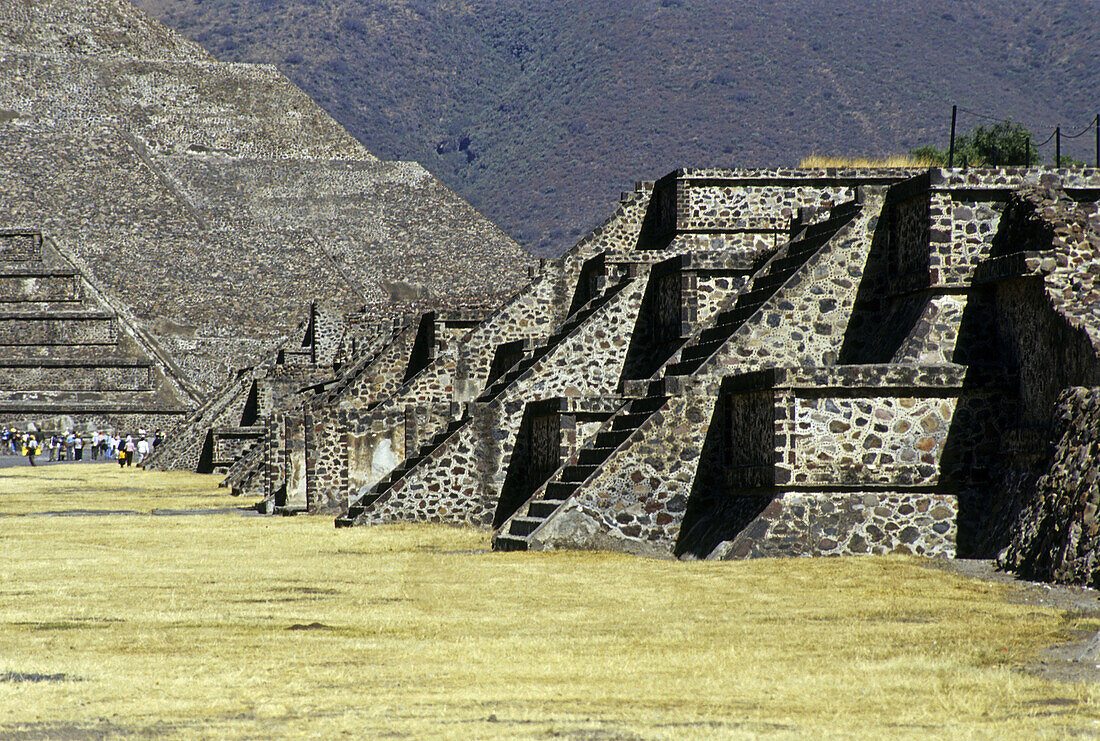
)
(1056, 135)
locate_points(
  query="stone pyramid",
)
(209, 203)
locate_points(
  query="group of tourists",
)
(73, 446)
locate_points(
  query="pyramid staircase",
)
(244, 474)
(651, 396)
(513, 535)
(523, 366)
(540, 351)
(62, 351)
(774, 274)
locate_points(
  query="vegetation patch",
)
(416, 630)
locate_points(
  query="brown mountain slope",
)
(539, 113)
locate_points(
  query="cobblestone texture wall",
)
(796, 524)
(1057, 536)
(461, 481)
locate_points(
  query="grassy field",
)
(229, 626)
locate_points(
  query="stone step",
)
(647, 404)
(58, 328)
(543, 508)
(90, 354)
(504, 542)
(702, 350)
(612, 439)
(720, 332)
(594, 456)
(629, 422)
(738, 314)
(53, 375)
(70, 403)
(559, 491)
(39, 286)
(524, 525)
(684, 368)
(35, 308)
(576, 474)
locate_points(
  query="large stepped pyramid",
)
(212, 203)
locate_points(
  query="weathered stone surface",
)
(209, 204)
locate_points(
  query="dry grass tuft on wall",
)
(899, 161)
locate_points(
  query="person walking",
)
(32, 447)
(131, 448)
(78, 447)
(142, 450)
(53, 443)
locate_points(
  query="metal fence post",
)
(951, 149)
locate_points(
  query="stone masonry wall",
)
(462, 480)
(1057, 536)
(796, 524)
(805, 322)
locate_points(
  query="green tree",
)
(1004, 143)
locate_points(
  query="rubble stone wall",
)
(825, 524)
(461, 481)
(1057, 536)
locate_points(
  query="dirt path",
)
(1075, 661)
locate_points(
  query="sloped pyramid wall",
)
(215, 201)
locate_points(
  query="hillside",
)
(540, 113)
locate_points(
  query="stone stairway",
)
(652, 395)
(366, 357)
(493, 394)
(63, 353)
(384, 487)
(244, 476)
(540, 351)
(514, 533)
(226, 446)
(775, 273)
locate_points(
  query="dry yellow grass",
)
(106, 487)
(226, 626)
(817, 161)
